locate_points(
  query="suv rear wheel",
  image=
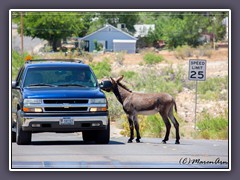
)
(100, 136)
(88, 136)
(103, 136)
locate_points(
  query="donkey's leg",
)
(130, 120)
(168, 127)
(176, 125)
(136, 124)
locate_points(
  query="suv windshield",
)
(59, 76)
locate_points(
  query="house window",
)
(106, 45)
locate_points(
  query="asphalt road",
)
(55, 151)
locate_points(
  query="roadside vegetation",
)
(210, 127)
(152, 58)
(186, 51)
(214, 89)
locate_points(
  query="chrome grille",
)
(64, 101)
(60, 109)
(65, 105)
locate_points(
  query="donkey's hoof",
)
(164, 142)
(138, 140)
(129, 141)
(177, 142)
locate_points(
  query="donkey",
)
(140, 103)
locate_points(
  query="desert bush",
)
(214, 88)
(210, 127)
(101, 69)
(152, 58)
(119, 57)
(204, 50)
(128, 74)
(87, 56)
(149, 126)
(17, 62)
(183, 52)
(115, 108)
(151, 80)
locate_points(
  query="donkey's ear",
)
(113, 81)
(119, 79)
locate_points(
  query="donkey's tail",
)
(175, 105)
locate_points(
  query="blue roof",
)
(108, 25)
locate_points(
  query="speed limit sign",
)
(197, 70)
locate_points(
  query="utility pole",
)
(213, 27)
(22, 33)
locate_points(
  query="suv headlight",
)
(101, 105)
(98, 101)
(28, 105)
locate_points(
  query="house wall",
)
(124, 45)
(107, 34)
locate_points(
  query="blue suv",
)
(59, 96)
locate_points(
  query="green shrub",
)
(114, 107)
(151, 80)
(149, 126)
(211, 127)
(214, 88)
(17, 62)
(152, 126)
(183, 52)
(98, 46)
(101, 69)
(152, 58)
(128, 74)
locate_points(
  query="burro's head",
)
(110, 84)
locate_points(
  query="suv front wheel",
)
(22, 137)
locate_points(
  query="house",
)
(111, 39)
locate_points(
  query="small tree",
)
(51, 26)
(98, 46)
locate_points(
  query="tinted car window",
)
(60, 76)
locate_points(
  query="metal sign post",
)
(195, 117)
(197, 72)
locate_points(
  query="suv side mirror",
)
(106, 85)
(15, 85)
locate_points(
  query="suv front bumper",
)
(49, 123)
